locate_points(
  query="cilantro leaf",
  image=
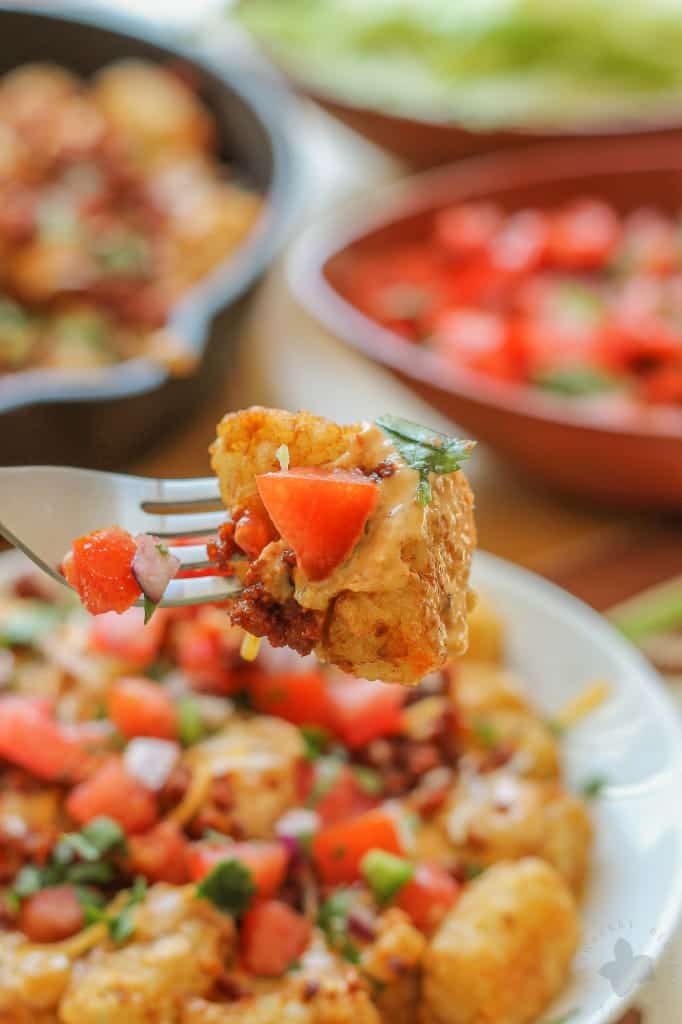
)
(149, 608)
(368, 779)
(427, 451)
(577, 381)
(122, 925)
(486, 733)
(592, 788)
(327, 770)
(316, 740)
(229, 887)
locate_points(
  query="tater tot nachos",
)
(187, 837)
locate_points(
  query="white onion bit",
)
(151, 761)
(153, 566)
(298, 822)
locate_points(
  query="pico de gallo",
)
(576, 301)
(293, 831)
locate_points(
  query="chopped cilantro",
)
(577, 381)
(229, 887)
(101, 836)
(426, 451)
(149, 608)
(486, 733)
(316, 741)
(190, 722)
(123, 253)
(593, 787)
(473, 870)
(78, 858)
(28, 881)
(332, 920)
(327, 771)
(121, 925)
(368, 779)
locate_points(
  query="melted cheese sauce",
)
(375, 563)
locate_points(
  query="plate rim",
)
(667, 716)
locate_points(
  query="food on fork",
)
(110, 570)
(186, 836)
(359, 538)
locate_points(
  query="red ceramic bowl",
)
(611, 451)
(424, 144)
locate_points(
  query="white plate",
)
(634, 900)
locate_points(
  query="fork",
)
(43, 508)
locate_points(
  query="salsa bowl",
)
(613, 452)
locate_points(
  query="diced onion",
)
(296, 823)
(151, 761)
(282, 454)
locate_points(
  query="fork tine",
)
(199, 590)
(182, 492)
(177, 525)
(192, 556)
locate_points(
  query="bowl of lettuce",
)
(433, 79)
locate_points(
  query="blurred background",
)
(466, 213)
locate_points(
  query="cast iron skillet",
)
(105, 418)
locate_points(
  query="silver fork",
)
(44, 508)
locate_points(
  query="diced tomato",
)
(160, 854)
(254, 529)
(207, 651)
(299, 697)
(344, 799)
(476, 340)
(101, 570)
(584, 235)
(428, 896)
(339, 849)
(51, 914)
(320, 513)
(521, 244)
(467, 230)
(266, 861)
(32, 739)
(125, 635)
(640, 346)
(363, 710)
(650, 243)
(113, 792)
(139, 707)
(663, 387)
(273, 936)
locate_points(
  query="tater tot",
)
(505, 951)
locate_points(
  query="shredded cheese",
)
(584, 704)
(196, 795)
(250, 647)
